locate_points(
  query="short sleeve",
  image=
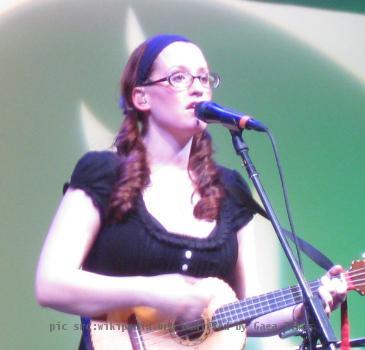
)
(241, 203)
(96, 174)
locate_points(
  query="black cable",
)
(287, 206)
(285, 194)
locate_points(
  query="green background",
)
(56, 54)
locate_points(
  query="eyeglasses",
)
(183, 80)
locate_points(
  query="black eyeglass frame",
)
(215, 76)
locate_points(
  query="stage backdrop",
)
(300, 69)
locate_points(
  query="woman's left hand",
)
(333, 289)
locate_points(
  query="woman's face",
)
(170, 108)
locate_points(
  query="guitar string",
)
(353, 276)
(148, 335)
(360, 282)
(355, 272)
(293, 293)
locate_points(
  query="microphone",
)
(210, 112)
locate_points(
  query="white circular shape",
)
(188, 254)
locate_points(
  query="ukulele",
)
(221, 326)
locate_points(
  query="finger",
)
(340, 292)
(339, 286)
(191, 313)
(334, 285)
(335, 270)
(327, 284)
(327, 299)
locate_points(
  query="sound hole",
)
(189, 330)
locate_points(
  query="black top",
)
(140, 245)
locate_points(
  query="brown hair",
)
(134, 172)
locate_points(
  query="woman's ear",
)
(140, 99)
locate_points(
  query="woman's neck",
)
(166, 150)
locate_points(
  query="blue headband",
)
(154, 46)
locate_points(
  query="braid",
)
(134, 172)
(206, 178)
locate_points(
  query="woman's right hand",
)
(180, 296)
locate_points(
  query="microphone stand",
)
(313, 305)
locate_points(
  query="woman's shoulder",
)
(95, 165)
(96, 173)
(95, 158)
(239, 192)
(233, 181)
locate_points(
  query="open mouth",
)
(191, 105)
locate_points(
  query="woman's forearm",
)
(90, 294)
